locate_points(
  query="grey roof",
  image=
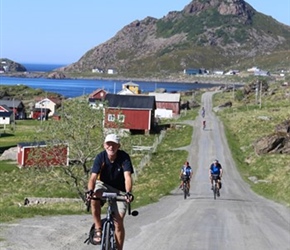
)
(11, 103)
(131, 101)
(166, 97)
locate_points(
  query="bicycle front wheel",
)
(106, 237)
(185, 191)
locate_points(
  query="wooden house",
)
(134, 87)
(40, 113)
(132, 112)
(42, 154)
(6, 115)
(48, 104)
(167, 104)
(16, 106)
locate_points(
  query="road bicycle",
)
(215, 188)
(203, 125)
(108, 241)
(185, 188)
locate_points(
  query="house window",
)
(111, 118)
(121, 118)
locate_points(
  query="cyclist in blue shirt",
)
(186, 174)
(215, 169)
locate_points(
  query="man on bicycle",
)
(185, 175)
(216, 170)
(111, 172)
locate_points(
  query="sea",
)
(70, 88)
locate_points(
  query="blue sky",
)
(61, 31)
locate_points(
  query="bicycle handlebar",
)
(107, 196)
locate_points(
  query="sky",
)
(62, 31)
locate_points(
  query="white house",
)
(6, 115)
(46, 103)
(112, 71)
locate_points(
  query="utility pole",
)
(260, 101)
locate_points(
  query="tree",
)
(81, 127)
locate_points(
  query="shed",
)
(42, 154)
(133, 112)
(167, 104)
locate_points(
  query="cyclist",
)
(111, 172)
(185, 175)
(215, 169)
(203, 112)
(203, 124)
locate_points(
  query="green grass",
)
(17, 184)
(243, 127)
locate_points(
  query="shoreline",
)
(201, 79)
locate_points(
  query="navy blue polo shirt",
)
(113, 173)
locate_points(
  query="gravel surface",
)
(237, 220)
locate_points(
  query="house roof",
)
(130, 84)
(131, 101)
(166, 97)
(11, 103)
(126, 91)
(96, 92)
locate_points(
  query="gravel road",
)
(237, 220)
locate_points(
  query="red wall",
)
(134, 119)
(42, 156)
(174, 106)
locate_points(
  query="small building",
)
(167, 104)
(192, 71)
(6, 115)
(132, 112)
(40, 113)
(112, 71)
(134, 87)
(16, 106)
(42, 154)
(47, 103)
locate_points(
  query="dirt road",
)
(238, 220)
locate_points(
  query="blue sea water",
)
(71, 88)
(41, 67)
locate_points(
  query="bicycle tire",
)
(185, 190)
(214, 190)
(105, 245)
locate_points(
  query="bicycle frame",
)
(215, 186)
(108, 241)
(185, 188)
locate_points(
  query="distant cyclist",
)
(215, 169)
(185, 175)
(203, 124)
(203, 112)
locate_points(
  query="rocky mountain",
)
(211, 34)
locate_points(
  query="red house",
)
(41, 154)
(133, 112)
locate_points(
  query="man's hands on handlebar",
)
(129, 197)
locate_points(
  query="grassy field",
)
(244, 124)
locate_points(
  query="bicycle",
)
(185, 187)
(204, 125)
(216, 189)
(108, 241)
